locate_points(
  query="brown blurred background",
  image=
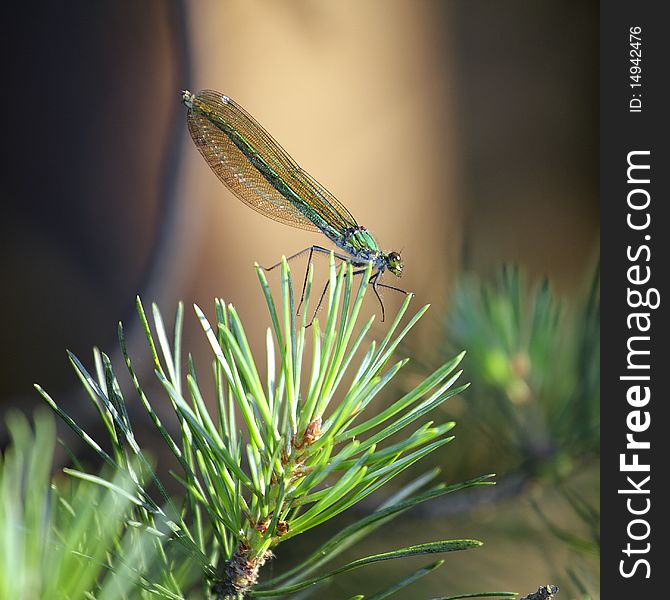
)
(462, 132)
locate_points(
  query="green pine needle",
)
(281, 449)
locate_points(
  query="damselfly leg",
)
(360, 268)
(311, 250)
(374, 280)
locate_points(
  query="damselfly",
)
(260, 173)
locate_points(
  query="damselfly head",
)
(394, 263)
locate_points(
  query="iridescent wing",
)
(257, 169)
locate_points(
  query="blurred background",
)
(463, 133)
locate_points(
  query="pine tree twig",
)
(545, 592)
